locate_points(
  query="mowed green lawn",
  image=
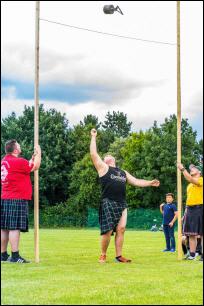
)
(69, 272)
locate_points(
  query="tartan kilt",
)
(193, 221)
(14, 214)
(110, 213)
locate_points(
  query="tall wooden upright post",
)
(36, 133)
(179, 185)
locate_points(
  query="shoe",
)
(5, 259)
(172, 250)
(190, 258)
(187, 255)
(18, 260)
(122, 259)
(102, 259)
(201, 258)
(166, 250)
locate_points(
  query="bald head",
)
(110, 160)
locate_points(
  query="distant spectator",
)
(186, 247)
(16, 192)
(170, 215)
(193, 221)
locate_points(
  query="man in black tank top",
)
(113, 208)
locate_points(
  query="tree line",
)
(67, 176)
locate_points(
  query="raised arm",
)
(161, 208)
(187, 175)
(36, 158)
(141, 183)
(100, 166)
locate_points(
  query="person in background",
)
(170, 215)
(16, 192)
(193, 221)
(186, 247)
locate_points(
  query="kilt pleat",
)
(193, 221)
(110, 213)
(14, 214)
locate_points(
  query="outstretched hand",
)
(155, 183)
(93, 133)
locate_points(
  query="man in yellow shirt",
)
(193, 218)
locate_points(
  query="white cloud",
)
(8, 92)
(113, 84)
(137, 110)
(138, 78)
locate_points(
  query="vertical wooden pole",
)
(179, 185)
(36, 133)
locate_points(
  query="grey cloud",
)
(107, 84)
(195, 105)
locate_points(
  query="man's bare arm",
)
(161, 208)
(100, 166)
(141, 183)
(188, 177)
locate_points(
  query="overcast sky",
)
(83, 72)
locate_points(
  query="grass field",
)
(69, 273)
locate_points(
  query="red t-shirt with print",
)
(15, 178)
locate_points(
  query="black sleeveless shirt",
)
(114, 185)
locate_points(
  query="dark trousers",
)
(169, 236)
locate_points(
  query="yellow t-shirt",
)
(195, 193)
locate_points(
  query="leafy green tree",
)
(84, 189)
(117, 123)
(67, 174)
(154, 156)
(133, 162)
(92, 121)
(116, 149)
(80, 136)
(56, 147)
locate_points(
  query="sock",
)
(4, 255)
(184, 249)
(192, 254)
(15, 254)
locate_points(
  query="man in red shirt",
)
(15, 193)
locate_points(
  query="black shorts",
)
(110, 213)
(193, 221)
(14, 215)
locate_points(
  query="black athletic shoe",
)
(19, 259)
(201, 258)
(5, 258)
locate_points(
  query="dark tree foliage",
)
(67, 174)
